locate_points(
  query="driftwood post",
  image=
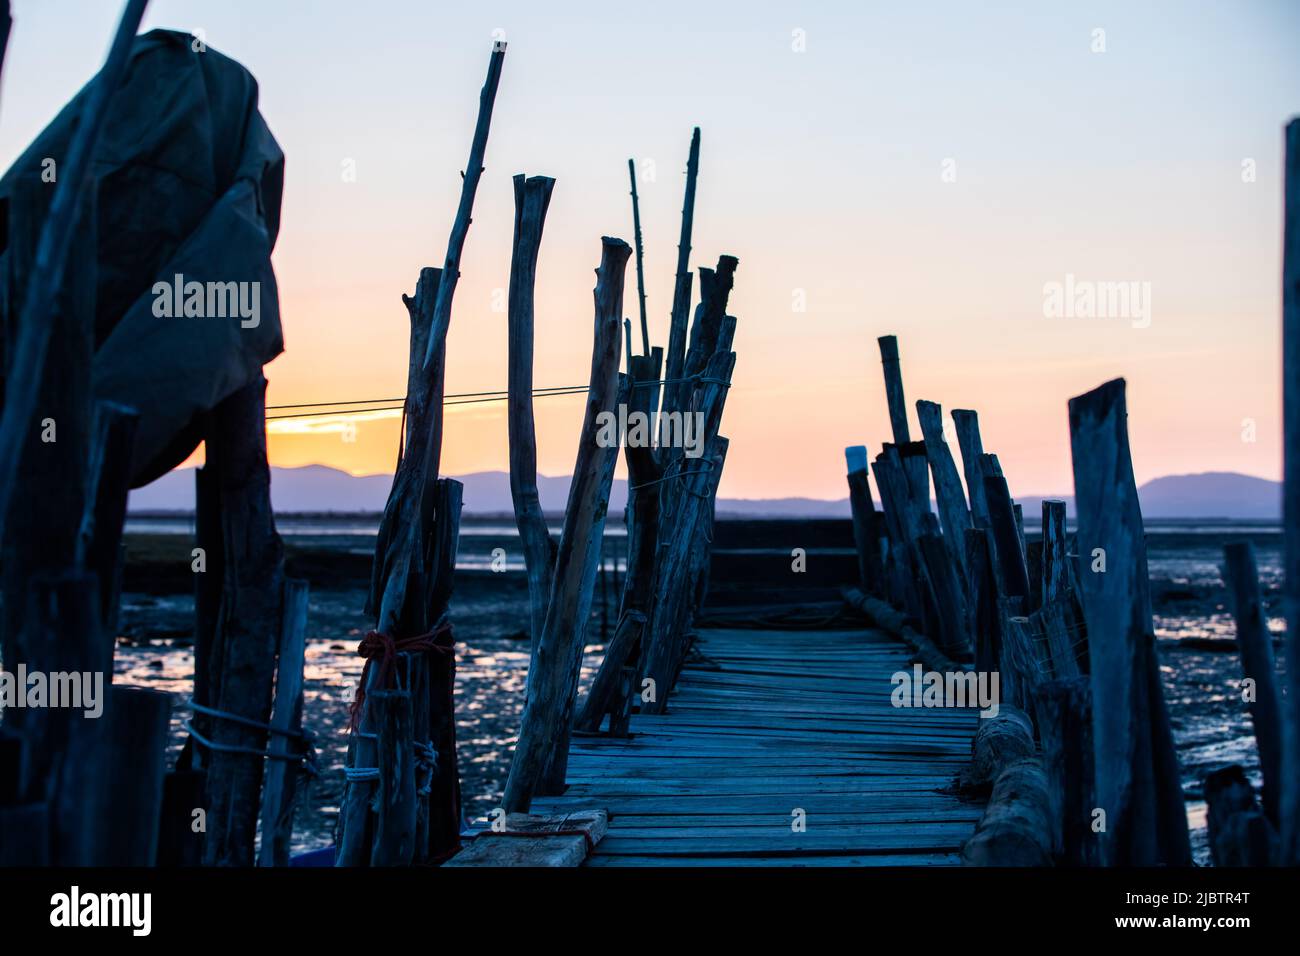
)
(967, 425)
(553, 670)
(1055, 574)
(947, 484)
(249, 623)
(865, 535)
(918, 478)
(1137, 778)
(1063, 709)
(1290, 810)
(532, 197)
(1007, 548)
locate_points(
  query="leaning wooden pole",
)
(1255, 645)
(532, 197)
(1290, 852)
(676, 357)
(916, 469)
(51, 259)
(1138, 785)
(554, 667)
(464, 212)
(640, 260)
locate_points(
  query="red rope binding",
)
(385, 648)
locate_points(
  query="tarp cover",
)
(189, 183)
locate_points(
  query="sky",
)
(930, 170)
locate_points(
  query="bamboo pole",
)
(460, 226)
(640, 261)
(553, 670)
(532, 197)
(1290, 812)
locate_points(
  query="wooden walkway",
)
(764, 724)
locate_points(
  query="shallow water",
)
(1210, 722)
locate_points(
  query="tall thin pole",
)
(1291, 490)
(676, 357)
(640, 263)
(51, 259)
(460, 227)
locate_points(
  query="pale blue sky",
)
(821, 171)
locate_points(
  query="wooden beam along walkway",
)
(767, 730)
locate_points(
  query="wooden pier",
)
(764, 724)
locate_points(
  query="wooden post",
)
(1137, 776)
(1006, 533)
(986, 625)
(554, 668)
(1054, 571)
(47, 475)
(1064, 715)
(918, 479)
(137, 740)
(394, 841)
(65, 755)
(286, 715)
(865, 539)
(99, 544)
(1290, 808)
(249, 623)
(662, 648)
(603, 697)
(1258, 666)
(1239, 835)
(532, 197)
(947, 485)
(460, 226)
(949, 596)
(640, 261)
(676, 355)
(967, 425)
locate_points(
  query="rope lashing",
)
(386, 648)
(426, 766)
(305, 756)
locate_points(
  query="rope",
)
(305, 757)
(468, 398)
(386, 648)
(246, 721)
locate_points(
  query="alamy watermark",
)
(684, 430)
(1085, 299)
(922, 688)
(75, 690)
(209, 300)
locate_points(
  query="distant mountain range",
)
(318, 488)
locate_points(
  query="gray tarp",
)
(189, 182)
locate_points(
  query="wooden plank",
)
(562, 840)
